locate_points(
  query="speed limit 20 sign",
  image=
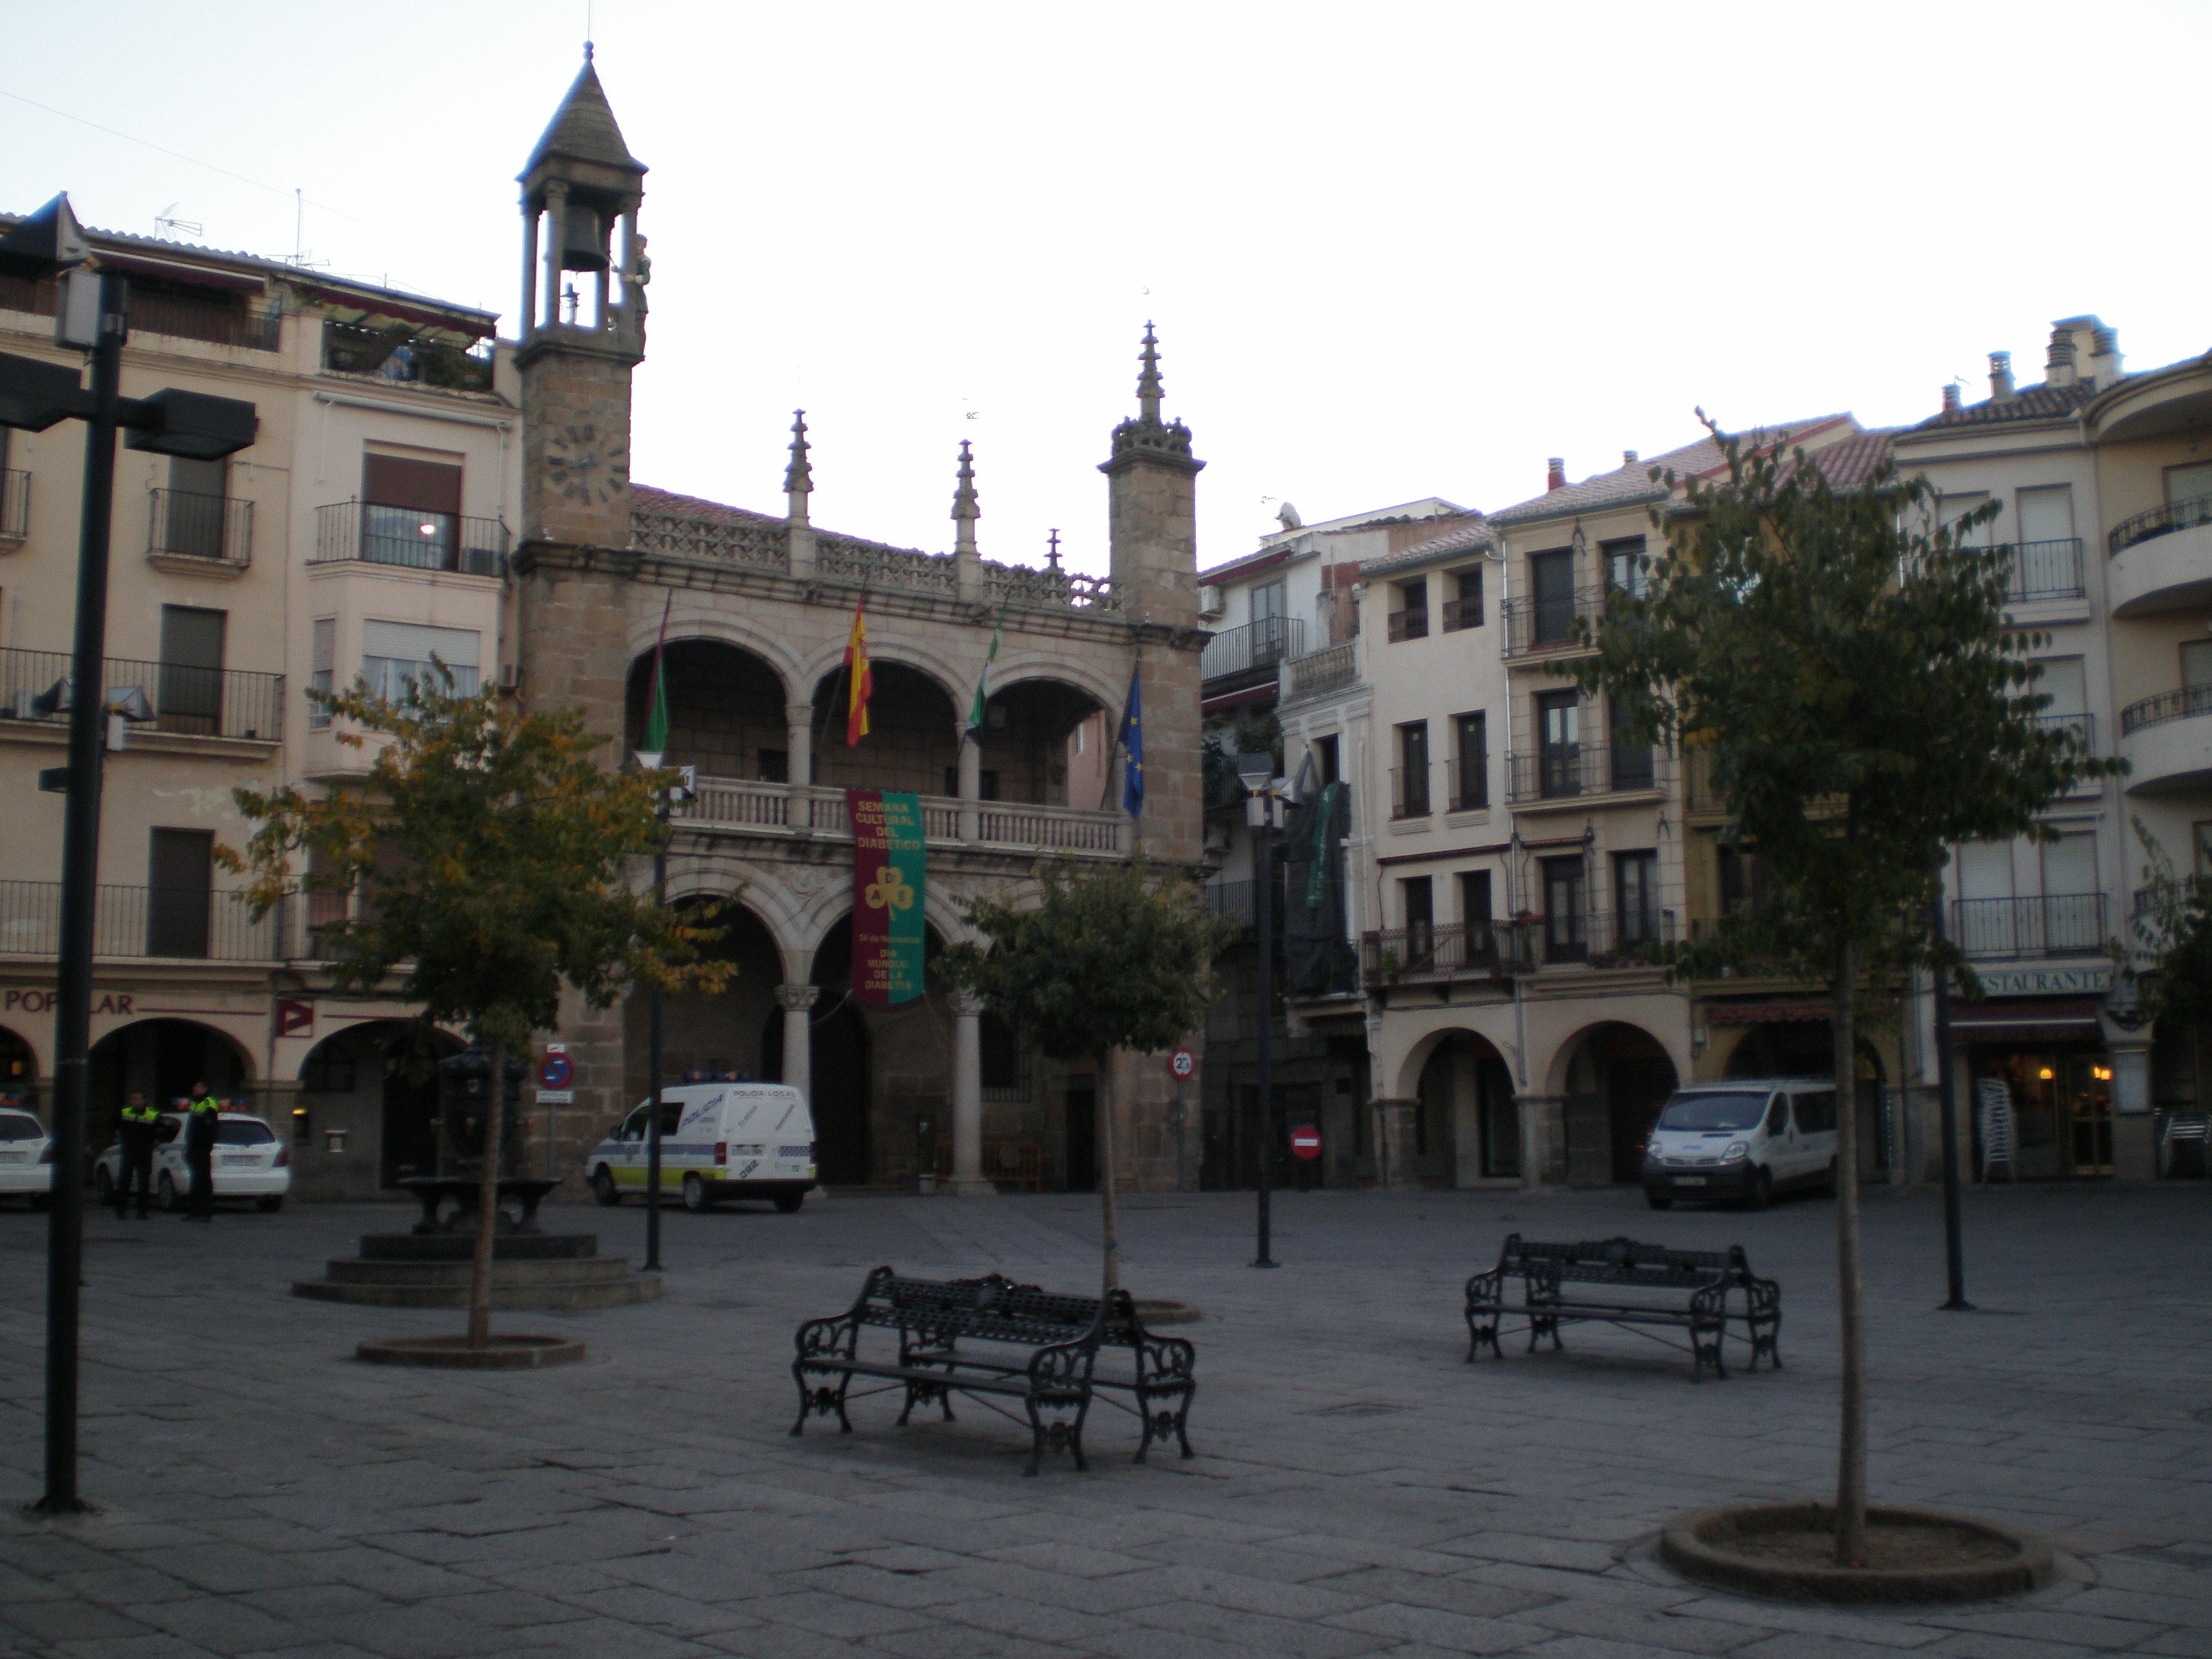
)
(1182, 1064)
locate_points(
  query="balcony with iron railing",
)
(1410, 624)
(405, 356)
(2050, 925)
(1545, 625)
(1602, 938)
(1463, 613)
(1579, 771)
(2045, 570)
(741, 805)
(1477, 950)
(2167, 740)
(401, 535)
(188, 925)
(15, 506)
(1409, 792)
(1466, 783)
(1319, 672)
(187, 700)
(194, 530)
(2159, 521)
(1251, 653)
(223, 319)
(2162, 560)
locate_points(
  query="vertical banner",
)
(887, 889)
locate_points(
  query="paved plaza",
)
(1359, 1489)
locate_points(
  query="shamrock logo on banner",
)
(890, 891)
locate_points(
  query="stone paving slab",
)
(1360, 1489)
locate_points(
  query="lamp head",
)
(1256, 771)
(50, 240)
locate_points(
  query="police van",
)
(717, 1140)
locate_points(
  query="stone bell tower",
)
(584, 272)
(1152, 523)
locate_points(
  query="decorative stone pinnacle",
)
(1148, 378)
(1052, 550)
(799, 477)
(965, 511)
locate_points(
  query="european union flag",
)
(1133, 746)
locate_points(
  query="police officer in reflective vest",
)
(141, 1124)
(201, 1113)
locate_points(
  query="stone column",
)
(530, 274)
(971, 787)
(799, 741)
(795, 1000)
(968, 1177)
(2135, 1152)
(1394, 1142)
(556, 226)
(1542, 1139)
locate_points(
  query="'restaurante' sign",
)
(2087, 981)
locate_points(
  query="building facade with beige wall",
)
(364, 531)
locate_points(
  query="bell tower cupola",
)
(585, 272)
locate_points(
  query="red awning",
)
(176, 272)
(1232, 699)
(1762, 1013)
(2027, 1019)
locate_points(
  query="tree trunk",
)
(1851, 1450)
(1108, 1214)
(488, 1204)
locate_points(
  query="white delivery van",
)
(717, 1140)
(1742, 1139)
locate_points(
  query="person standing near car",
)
(202, 1113)
(141, 1122)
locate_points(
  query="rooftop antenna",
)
(167, 220)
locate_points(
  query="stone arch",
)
(18, 1069)
(914, 736)
(890, 643)
(769, 893)
(1105, 686)
(363, 1122)
(691, 619)
(1026, 746)
(1807, 1048)
(1612, 1076)
(728, 709)
(163, 1057)
(1466, 1124)
(729, 1032)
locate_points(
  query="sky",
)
(1393, 251)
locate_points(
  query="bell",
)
(583, 242)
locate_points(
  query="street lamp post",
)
(1263, 805)
(1947, 1097)
(655, 1026)
(92, 314)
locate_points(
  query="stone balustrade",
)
(742, 807)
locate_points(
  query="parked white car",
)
(1743, 1140)
(26, 1157)
(251, 1161)
(717, 1140)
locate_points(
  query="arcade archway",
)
(373, 1084)
(19, 1071)
(1618, 1077)
(1466, 1126)
(723, 1035)
(162, 1059)
(725, 711)
(1807, 1048)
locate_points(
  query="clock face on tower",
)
(585, 464)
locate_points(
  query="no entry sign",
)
(1305, 1141)
(1182, 1063)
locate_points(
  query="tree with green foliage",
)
(2173, 935)
(1841, 661)
(1114, 956)
(489, 862)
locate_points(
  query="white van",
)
(717, 1140)
(1743, 1139)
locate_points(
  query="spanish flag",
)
(858, 680)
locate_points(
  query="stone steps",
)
(575, 1282)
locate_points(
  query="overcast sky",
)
(1393, 251)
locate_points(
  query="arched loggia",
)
(726, 710)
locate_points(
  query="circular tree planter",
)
(453, 1353)
(1787, 1550)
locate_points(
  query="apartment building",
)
(2104, 483)
(1284, 669)
(364, 531)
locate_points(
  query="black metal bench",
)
(1022, 1344)
(1687, 1290)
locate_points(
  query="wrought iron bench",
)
(1618, 1281)
(1021, 1343)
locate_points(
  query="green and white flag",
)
(983, 680)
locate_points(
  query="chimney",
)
(1556, 476)
(1951, 398)
(1999, 376)
(2059, 361)
(2104, 356)
(1628, 458)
